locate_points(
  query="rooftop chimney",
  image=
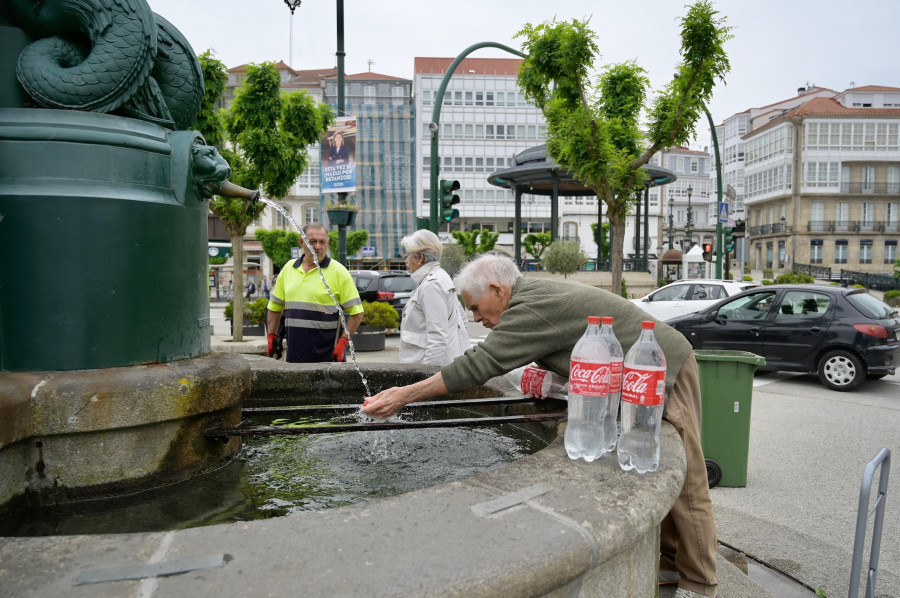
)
(801, 90)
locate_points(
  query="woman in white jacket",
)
(433, 331)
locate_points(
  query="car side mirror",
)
(709, 316)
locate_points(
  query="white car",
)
(689, 296)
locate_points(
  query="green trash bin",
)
(726, 389)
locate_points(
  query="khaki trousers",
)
(688, 533)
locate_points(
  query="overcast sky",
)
(778, 45)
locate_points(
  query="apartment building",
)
(687, 205)
(821, 181)
(385, 157)
(484, 122)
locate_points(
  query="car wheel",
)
(713, 473)
(841, 370)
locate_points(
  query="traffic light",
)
(449, 199)
(728, 238)
(707, 252)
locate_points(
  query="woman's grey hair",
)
(475, 278)
(425, 242)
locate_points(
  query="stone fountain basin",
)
(569, 528)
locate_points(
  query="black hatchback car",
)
(846, 335)
(390, 286)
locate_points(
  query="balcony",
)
(768, 229)
(870, 188)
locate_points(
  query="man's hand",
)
(387, 402)
(390, 401)
(270, 350)
(339, 349)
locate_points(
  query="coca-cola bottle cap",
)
(646, 325)
(607, 320)
(593, 320)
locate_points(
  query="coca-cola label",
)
(643, 387)
(533, 381)
(588, 378)
(615, 377)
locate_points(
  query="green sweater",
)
(544, 320)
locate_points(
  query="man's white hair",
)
(477, 276)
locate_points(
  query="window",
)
(890, 217)
(842, 213)
(868, 179)
(890, 252)
(280, 220)
(369, 94)
(840, 252)
(893, 179)
(750, 307)
(865, 251)
(803, 304)
(822, 174)
(867, 214)
(815, 252)
(311, 214)
(570, 230)
(397, 95)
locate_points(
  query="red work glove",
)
(339, 349)
(270, 351)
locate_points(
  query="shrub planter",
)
(251, 329)
(368, 338)
(341, 217)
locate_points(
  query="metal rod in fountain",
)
(383, 425)
(316, 409)
(312, 254)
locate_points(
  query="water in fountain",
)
(337, 303)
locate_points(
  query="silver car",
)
(689, 296)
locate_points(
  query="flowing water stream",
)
(337, 303)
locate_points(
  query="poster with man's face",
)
(339, 157)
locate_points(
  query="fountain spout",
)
(229, 189)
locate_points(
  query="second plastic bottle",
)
(643, 392)
(616, 358)
(588, 395)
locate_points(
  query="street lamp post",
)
(671, 221)
(342, 197)
(689, 227)
(293, 5)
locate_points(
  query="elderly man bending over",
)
(541, 320)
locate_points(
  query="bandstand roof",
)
(536, 170)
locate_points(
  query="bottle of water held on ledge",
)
(616, 357)
(643, 390)
(536, 382)
(588, 390)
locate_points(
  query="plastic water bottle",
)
(588, 390)
(643, 392)
(616, 359)
(536, 382)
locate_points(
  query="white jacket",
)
(433, 331)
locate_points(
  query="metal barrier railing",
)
(821, 272)
(863, 513)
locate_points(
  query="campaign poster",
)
(339, 157)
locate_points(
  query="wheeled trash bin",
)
(726, 389)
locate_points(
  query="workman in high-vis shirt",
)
(312, 321)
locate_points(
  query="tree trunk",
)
(237, 316)
(617, 246)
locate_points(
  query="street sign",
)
(723, 213)
(368, 252)
(295, 253)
